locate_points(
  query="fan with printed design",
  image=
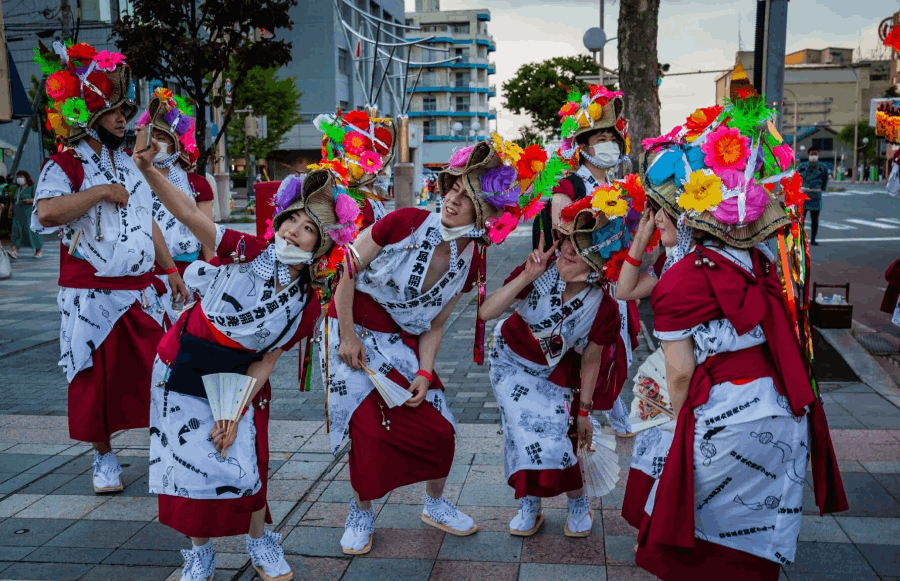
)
(228, 395)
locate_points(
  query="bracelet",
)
(589, 406)
(583, 413)
(632, 261)
(172, 270)
(425, 374)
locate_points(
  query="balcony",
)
(492, 90)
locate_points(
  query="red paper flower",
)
(655, 239)
(635, 189)
(356, 143)
(61, 85)
(358, 119)
(383, 141)
(792, 194)
(701, 119)
(531, 162)
(532, 209)
(82, 52)
(622, 126)
(893, 38)
(94, 101)
(613, 266)
(570, 108)
(569, 212)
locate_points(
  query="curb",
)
(863, 364)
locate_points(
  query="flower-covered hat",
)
(602, 224)
(366, 144)
(173, 115)
(719, 170)
(599, 108)
(82, 85)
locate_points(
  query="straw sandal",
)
(537, 525)
(586, 533)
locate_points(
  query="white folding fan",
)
(228, 394)
(392, 393)
(599, 464)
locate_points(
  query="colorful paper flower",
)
(461, 156)
(671, 136)
(635, 189)
(570, 108)
(61, 85)
(356, 143)
(346, 209)
(655, 239)
(357, 120)
(725, 149)
(622, 126)
(569, 126)
(94, 100)
(81, 52)
(498, 179)
(163, 93)
(784, 154)
(532, 208)
(755, 199)
(701, 192)
(75, 110)
(568, 213)
(345, 235)
(509, 151)
(607, 200)
(383, 141)
(699, 120)
(793, 196)
(108, 61)
(893, 38)
(532, 162)
(502, 227)
(613, 266)
(144, 119)
(370, 162)
(595, 110)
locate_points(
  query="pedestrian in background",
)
(20, 214)
(815, 181)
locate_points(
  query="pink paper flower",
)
(725, 149)
(370, 162)
(144, 119)
(270, 233)
(785, 155)
(108, 61)
(533, 208)
(502, 228)
(667, 138)
(345, 235)
(757, 198)
(346, 209)
(461, 156)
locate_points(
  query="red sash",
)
(77, 273)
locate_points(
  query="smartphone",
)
(148, 142)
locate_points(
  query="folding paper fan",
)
(228, 394)
(392, 393)
(599, 464)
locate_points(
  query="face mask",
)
(162, 154)
(108, 139)
(449, 234)
(606, 154)
(290, 254)
(20, 181)
(813, 158)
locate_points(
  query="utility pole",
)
(602, 62)
(856, 128)
(776, 39)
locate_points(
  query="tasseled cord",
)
(478, 355)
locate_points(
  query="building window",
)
(463, 103)
(347, 13)
(428, 127)
(482, 75)
(466, 127)
(878, 77)
(463, 53)
(462, 80)
(460, 28)
(823, 144)
(345, 105)
(374, 9)
(343, 61)
(429, 104)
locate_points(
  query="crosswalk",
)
(878, 224)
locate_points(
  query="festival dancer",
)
(561, 350)
(109, 300)
(414, 265)
(254, 307)
(595, 133)
(173, 127)
(729, 500)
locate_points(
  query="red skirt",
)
(203, 518)
(546, 483)
(419, 446)
(705, 561)
(637, 491)
(114, 393)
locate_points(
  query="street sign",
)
(250, 126)
(262, 127)
(228, 91)
(214, 130)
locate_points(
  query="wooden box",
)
(831, 316)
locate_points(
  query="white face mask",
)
(606, 154)
(20, 180)
(449, 234)
(290, 254)
(162, 154)
(813, 158)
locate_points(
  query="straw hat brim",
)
(666, 194)
(317, 200)
(745, 236)
(581, 230)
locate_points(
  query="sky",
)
(693, 35)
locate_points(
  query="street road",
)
(859, 237)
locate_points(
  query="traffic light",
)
(661, 70)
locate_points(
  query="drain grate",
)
(879, 343)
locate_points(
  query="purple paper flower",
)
(497, 180)
(510, 198)
(289, 190)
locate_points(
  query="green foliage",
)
(528, 135)
(271, 96)
(535, 90)
(865, 130)
(891, 93)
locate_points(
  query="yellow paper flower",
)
(608, 201)
(595, 110)
(702, 192)
(508, 150)
(583, 118)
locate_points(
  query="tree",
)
(193, 41)
(271, 96)
(535, 90)
(866, 150)
(638, 68)
(48, 138)
(529, 135)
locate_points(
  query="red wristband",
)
(584, 413)
(632, 261)
(426, 375)
(172, 270)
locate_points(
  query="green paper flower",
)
(75, 111)
(183, 105)
(48, 63)
(574, 96)
(568, 127)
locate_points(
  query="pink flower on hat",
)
(785, 155)
(725, 149)
(461, 156)
(370, 161)
(108, 61)
(346, 209)
(502, 227)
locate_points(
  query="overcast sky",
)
(693, 35)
